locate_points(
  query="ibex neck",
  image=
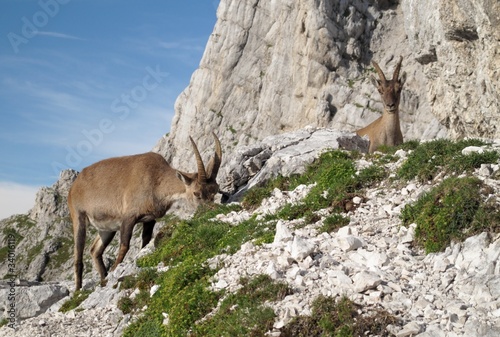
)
(170, 185)
(391, 116)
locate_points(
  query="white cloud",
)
(59, 35)
(16, 198)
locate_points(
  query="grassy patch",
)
(338, 318)
(167, 230)
(183, 295)
(143, 281)
(9, 232)
(21, 221)
(334, 222)
(75, 301)
(253, 198)
(244, 313)
(63, 253)
(453, 210)
(406, 146)
(4, 253)
(34, 252)
(126, 305)
(430, 158)
(184, 289)
(337, 182)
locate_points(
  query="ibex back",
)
(386, 129)
(117, 193)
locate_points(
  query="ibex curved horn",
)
(379, 71)
(202, 174)
(214, 164)
(396, 71)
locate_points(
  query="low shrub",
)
(77, 299)
(453, 210)
(443, 155)
(339, 318)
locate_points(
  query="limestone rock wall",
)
(457, 43)
(276, 66)
(42, 237)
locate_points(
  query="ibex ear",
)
(184, 178)
(402, 79)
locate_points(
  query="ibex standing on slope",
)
(386, 130)
(117, 193)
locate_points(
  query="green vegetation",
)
(243, 313)
(334, 222)
(34, 252)
(142, 281)
(453, 210)
(184, 289)
(442, 155)
(253, 198)
(21, 221)
(338, 318)
(231, 129)
(63, 254)
(406, 146)
(4, 253)
(9, 232)
(75, 301)
(167, 230)
(3, 322)
(337, 182)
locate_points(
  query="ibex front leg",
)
(126, 230)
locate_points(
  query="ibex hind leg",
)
(101, 242)
(79, 233)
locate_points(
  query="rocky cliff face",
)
(43, 236)
(272, 67)
(457, 44)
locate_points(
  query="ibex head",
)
(202, 186)
(390, 90)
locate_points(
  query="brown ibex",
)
(386, 129)
(117, 193)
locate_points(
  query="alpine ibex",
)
(117, 193)
(386, 129)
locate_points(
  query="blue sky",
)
(84, 80)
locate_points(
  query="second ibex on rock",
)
(117, 193)
(386, 129)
